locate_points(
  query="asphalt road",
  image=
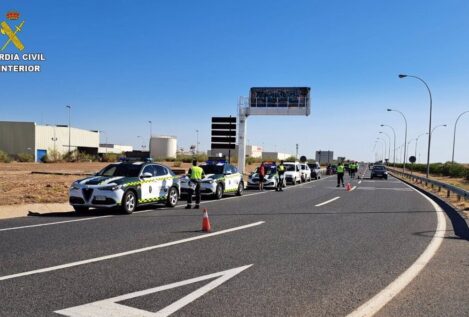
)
(301, 252)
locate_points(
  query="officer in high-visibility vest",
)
(340, 174)
(353, 169)
(196, 174)
(281, 177)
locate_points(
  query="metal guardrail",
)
(461, 193)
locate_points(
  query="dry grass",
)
(457, 202)
(19, 186)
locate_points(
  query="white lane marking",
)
(110, 307)
(377, 302)
(353, 188)
(359, 182)
(158, 209)
(326, 202)
(53, 223)
(121, 254)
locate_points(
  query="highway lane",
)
(306, 260)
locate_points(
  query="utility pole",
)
(297, 151)
(69, 129)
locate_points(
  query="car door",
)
(229, 178)
(149, 187)
(236, 177)
(165, 181)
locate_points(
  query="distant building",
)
(29, 137)
(251, 151)
(114, 148)
(275, 156)
(324, 157)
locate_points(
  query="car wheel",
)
(240, 190)
(218, 192)
(129, 202)
(80, 209)
(172, 197)
(371, 177)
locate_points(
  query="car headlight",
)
(112, 188)
(74, 186)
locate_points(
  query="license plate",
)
(100, 198)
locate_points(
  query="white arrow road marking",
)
(110, 308)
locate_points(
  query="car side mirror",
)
(147, 175)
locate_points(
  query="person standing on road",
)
(352, 168)
(196, 174)
(281, 177)
(261, 172)
(340, 174)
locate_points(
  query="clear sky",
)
(178, 63)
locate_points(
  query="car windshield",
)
(126, 170)
(379, 168)
(212, 169)
(303, 167)
(290, 167)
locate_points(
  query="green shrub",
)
(177, 164)
(188, 158)
(253, 160)
(25, 157)
(110, 157)
(290, 159)
(52, 156)
(4, 157)
(75, 156)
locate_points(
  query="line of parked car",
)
(129, 184)
(295, 173)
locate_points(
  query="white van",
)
(292, 172)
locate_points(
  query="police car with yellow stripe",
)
(220, 178)
(126, 185)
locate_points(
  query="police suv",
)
(126, 185)
(271, 176)
(220, 178)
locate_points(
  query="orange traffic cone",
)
(206, 222)
(348, 187)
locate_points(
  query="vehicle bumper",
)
(95, 198)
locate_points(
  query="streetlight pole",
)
(405, 137)
(149, 139)
(384, 148)
(454, 136)
(69, 129)
(417, 142)
(430, 120)
(394, 147)
(197, 142)
(389, 147)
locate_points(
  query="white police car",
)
(270, 178)
(126, 185)
(220, 178)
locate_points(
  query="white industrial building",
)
(275, 156)
(114, 148)
(29, 137)
(251, 151)
(163, 146)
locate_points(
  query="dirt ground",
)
(20, 185)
